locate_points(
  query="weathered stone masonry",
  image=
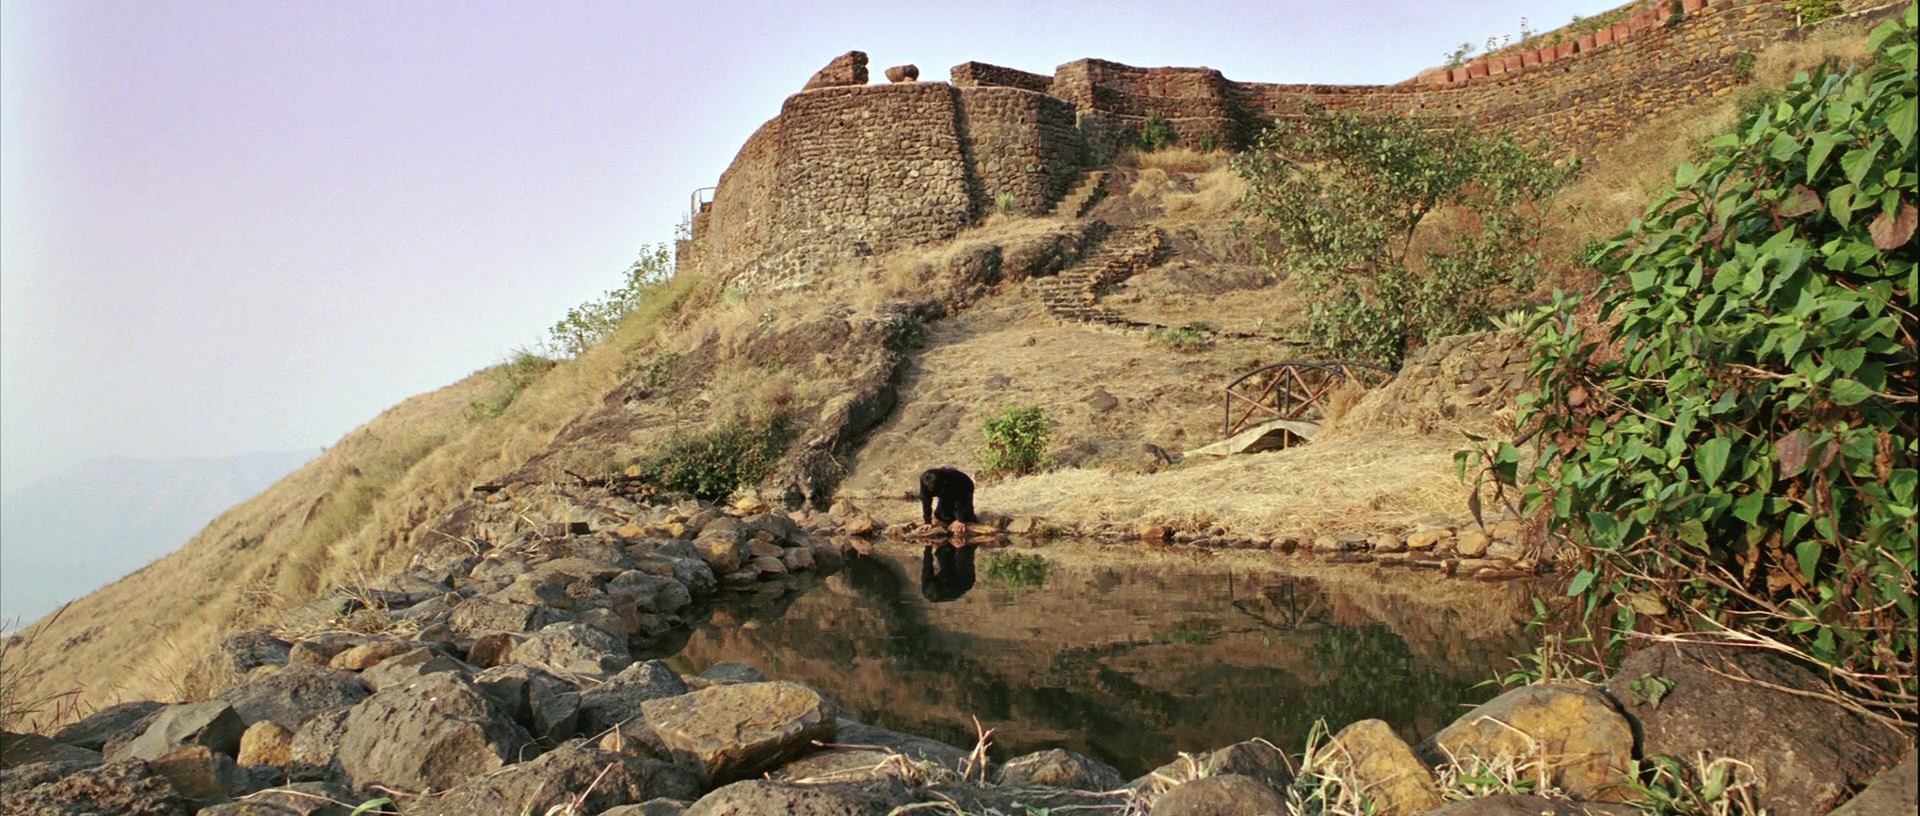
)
(855, 169)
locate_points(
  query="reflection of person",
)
(946, 572)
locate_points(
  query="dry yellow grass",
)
(1216, 197)
(1175, 160)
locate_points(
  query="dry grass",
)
(1216, 197)
(27, 703)
(1175, 160)
(1374, 483)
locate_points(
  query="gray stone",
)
(574, 769)
(733, 731)
(651, 593)
(294, 692)
(1224, 795)
(756, 797)
(651, 807)
(437, 732)
(122, 788)
(1895, 793)
(1057, 768)
(730, 672)
(213, 723)
(297, 799)
(620, 697)
(28, 749)
(95, 729)
(572, 647)
(547, 706)
(405, 668)
(317, 741)
(1514, 805)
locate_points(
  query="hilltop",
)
(885, 266)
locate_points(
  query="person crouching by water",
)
(946, 571)
(946, 494)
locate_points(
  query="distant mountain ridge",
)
(71, 533)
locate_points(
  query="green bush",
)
(1006, 204)
(1015, 570)
(1813, 11)
(1734, 442)
(1194, 336)
(712, 464)
(905, 333)
(507, 380)
(1155, 133)
(1344, 197)
(592, 321)
(1016, 440)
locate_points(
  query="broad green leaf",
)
(1823, 144)
(1711, 459)
(1581, 580)
(1849, 392)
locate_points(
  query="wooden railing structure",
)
(1292, 390)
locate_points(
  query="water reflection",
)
(946, 571)
(1128, 659)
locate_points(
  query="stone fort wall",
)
(846, 171)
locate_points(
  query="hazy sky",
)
(250, 225)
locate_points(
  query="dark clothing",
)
(946, 572)
(953, 490)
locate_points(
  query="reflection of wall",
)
(1127, 664)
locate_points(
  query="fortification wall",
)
(983, 75)
(1020, 144)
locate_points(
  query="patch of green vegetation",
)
(1016, 440)
(1743, 66)
(1155, 133)
(1813, 11)
(710, 465)
(594, 320)
(1196, 633)
(905, 332)
(1018, 570)
(507, 380)
(1666, 786)
(1344, 196)
(1732, 437)
(1194, 336)
(1006, 204)
(659, 370)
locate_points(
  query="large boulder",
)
(1368, 755)
(213, 724)
(266, 743)
(27, 749)
(1571, 729)
(903, 73)
(1516, 805)
(575, 768)
(124, 788)
(405, 668)
(292, 693)
(1224, 795)
(1256, 758)
(1058, 768)
(756, 797)
(547, 706)
(873, 758)
(317, 743)
(1806, 753)
(847, 69)
(238, 654)
(436, 733)
(651, 593)
(202, 774)
(93, 731)
(298, 799)
(618, 700)
(734, 731)
(1895, 793)
(573, 647)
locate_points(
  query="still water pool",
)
(1123, 655)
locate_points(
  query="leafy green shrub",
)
(1208, 143)
(905, 333)
(1016, 440)
(1155, 133)
(1194, 336)
(592, 321)
(712, 464)
(1006, 204)
(508, 379)
(1734, 441)
(1743, 66)
(1813, 11)
(659, 370)
(1016, 570)
(1344, 196)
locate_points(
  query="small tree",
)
(1016, 440)
(1345, 197)
(592, 321)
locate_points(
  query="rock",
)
(559, 584)
(1515, 805)
(1224, 795)
(651, 593)
(242, 652)
(1370, 756)
(320, 649)
(437, 732)
(123, 788)
(798, 559)
(367, 655)
(93, 731)
(620, 698)
(756, 797)
(1807, 754)
(317, 741)
(847, 69)
(26, 749)
(266, 743)
(576, 768)
(1422, 540)
(732, 731)
(547, 706)
(406, 668)
(651, 807)
(1256, 758)
(482, 614)
(200, 774)
(1328, 544)
(903, 73)
(213, 724)
(572, 647)
(860, 524)
(292, 693)
(490, 650)
(1058, 768)
(722, 554)
(729, 672)
(768, 568)
(1388, 543)
(1472, 543)
(1895, 793)
(1571, 728)
(298, 799)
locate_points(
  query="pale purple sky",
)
(243, 226)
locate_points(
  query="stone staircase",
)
(1074, 294)
(1085, 194)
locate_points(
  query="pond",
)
(1123, 655)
